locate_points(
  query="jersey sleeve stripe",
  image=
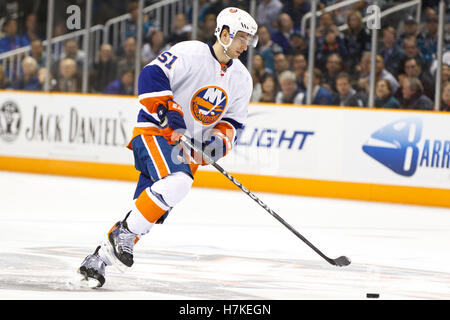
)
(153, 87)
(155, 94)
(147, 117)
(152, 103)
(153, 79)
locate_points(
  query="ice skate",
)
(92, 270)
(118, 248)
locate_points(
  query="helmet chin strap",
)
(225, 47)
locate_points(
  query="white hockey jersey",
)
(190, 74)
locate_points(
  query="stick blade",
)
(342, 261)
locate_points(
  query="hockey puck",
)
(372, 295)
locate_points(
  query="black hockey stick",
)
(342, 261)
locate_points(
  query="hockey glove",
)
(172, 121)
(215, 147)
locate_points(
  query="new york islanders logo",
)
(208, 104)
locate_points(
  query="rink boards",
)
(353, 153)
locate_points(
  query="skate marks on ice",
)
(186, 274)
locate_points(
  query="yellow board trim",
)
(212, 179)
(70, 168)
(330, 189)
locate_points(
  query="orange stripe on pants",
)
(148, 208)
(194, 168)
(158, 159)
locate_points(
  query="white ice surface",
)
(219, 245)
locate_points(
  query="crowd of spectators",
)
(405, 62)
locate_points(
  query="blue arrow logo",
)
(395, 146)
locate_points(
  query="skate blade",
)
(109, 252)
(82, 282)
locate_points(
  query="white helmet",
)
(236, 20)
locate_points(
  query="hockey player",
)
(195, 89)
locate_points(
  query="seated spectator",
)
(281, 63)
(360, 76)
(430, 8)
(381, 72)
(211, 6)
(410, 29)
(326, 23)
(321, 96)
(37, 52)
(356, 39)
(268, 89)
(332, 44)
(289, 92)
(445, 72)
(32, 28)
(131, 25)
(206, 32)
(258, 67)
(41, 75)
(414, 70)
(72, 51)
(282, 34)
(347, 96)
(123, 86)
(445, 61)
(181, 30)
(299, 66)
(428, 45)
(413, 97)
(257, 88)
(296, 9)
(204, 8)
(298, 44)
(445, 96)
(105, 69)
(268, 11)
(384, 96)
(266, 47)
(3, 81)
(399, 93)
(60, 29)
(333, 67)
(28, 80)
(257, 73)
(128, 60)
(411, 50)
(68, 79)
(155, 47)
(341, 14)
(12, 40)
(390, 51)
